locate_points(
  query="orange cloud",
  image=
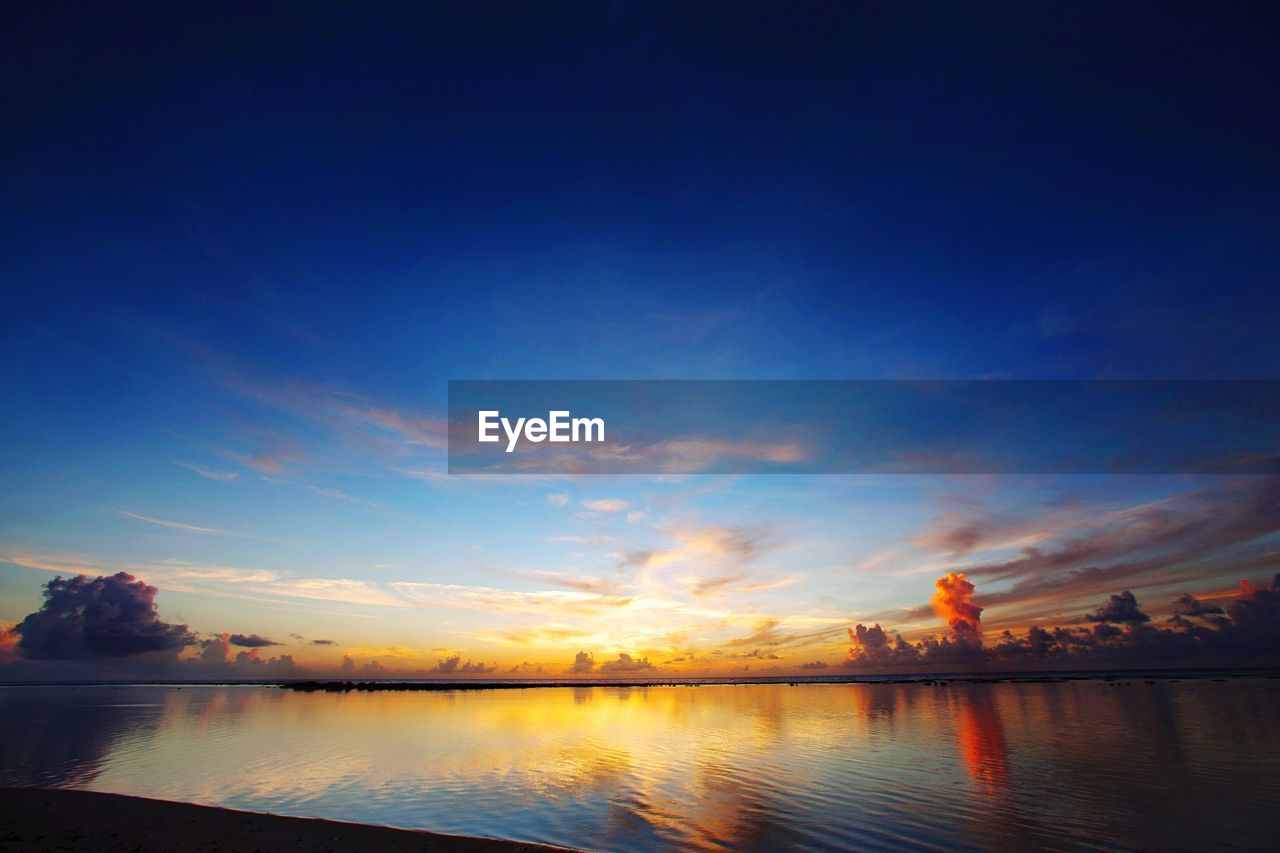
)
(953, 601)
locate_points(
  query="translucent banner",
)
(863, 426)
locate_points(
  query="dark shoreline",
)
(339, 685)
(40, 819)
(930, 679)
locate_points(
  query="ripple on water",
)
(885, 766)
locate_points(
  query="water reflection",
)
(747, 767)
(980, 734)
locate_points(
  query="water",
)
(1080, 764)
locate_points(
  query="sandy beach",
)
(40, 819)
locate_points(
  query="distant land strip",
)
(933, 680)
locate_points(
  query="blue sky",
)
(244, 252)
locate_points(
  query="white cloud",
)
(606, 505)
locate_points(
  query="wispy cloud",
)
(338, 495)
(274, 455)
(176, 525)
(583, 540)
(694, 544)
(209, 473)
(1070, 556)
(214, 579)
(545, 603)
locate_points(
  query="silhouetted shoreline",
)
(40, 819)
(344, 685)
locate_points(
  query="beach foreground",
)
(38, 819)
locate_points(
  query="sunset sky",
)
(235, 291)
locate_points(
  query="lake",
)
(1077, 764)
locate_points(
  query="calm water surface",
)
(1169, 765)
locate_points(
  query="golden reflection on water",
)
(758, 766)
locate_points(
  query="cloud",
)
(754, 654)
(581, 583)
(691, 455)
(817, 664)
(558, 500)
(582, 540)
(774, 633)
(626, 663)
(582, 663)
(103, 617)
(411, 427)
(337, 495)
(361, 420)
(251, 641)
(174, 525)
(209, 473)
(1188, 605)
(228, 581)
(1249, 634)
(249, 662)
(868, 638)
(545, 635)
(276, 451)
(1119, 608)
(740, 584)
(525, 666)
(8, 645)
(215, 649)
(453, 665)
(323, 643)
(873, 648)
(736, 544)
(606, 505)
(502, 601)
(1156, 544)
(953, 601)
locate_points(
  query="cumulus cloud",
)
(583, 662)
(872, 647)
(103, 617)
(251, 663)
(251, 641)
(625, 663)
(1119, 608)
(215, 649)
(453, 665)
(953, 601)
(1255, 615)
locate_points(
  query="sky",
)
(244, 249)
